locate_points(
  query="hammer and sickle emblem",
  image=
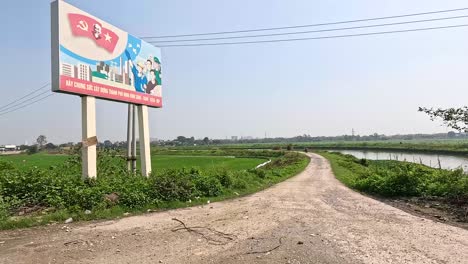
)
(83, 25)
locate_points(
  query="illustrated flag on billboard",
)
(92, 57)
(87, 27)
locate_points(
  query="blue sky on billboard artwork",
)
(138, 50)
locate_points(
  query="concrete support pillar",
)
(88, 120)
(145, 152)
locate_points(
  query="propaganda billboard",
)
(92, 57)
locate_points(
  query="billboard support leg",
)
(88, 125)
(129, 137)
(143, 128)
(134, 148)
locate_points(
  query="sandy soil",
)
(311, 218)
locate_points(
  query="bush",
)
(225, 178)
(395, 178)
(239, 184)
(61, 187)
(4, 209)
(5, 165)
(173, 185)
(208, 186)
(260, 173)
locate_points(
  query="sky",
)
(371, 84)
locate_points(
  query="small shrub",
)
(225, 178)
(394, 178)
(239, 184)
(260, 173)
(4, 209)
(208, 186)
(364, 162)
(6, 166)
(173, 185)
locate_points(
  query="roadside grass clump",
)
(399, 179)
(173, 185)
(37, 196)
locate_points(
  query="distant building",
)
(234, 138)
(6, 148)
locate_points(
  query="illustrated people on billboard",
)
(153, 87)
(140, 81)
(149, 65)
(97, 31)
(148, 68)
(157, 67)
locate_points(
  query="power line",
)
(314, 38)
(18, 108)
(25, 101)
(27, 95)
(311, 25)
(310, 31)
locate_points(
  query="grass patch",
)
(399, 179)
(203, 162)
(40, 160)
(176, 160)
(37, 196)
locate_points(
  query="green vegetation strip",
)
(399, 179)
(177, 160)
(436, 146)
(36, 196)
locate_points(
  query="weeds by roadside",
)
(38, 196)
(403, 181)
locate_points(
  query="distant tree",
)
(41, 140)
(456, 118)
(50, 146)
(108, 144)
(289, 147)
(451, 134)
(78, 146)
(206, 140)
(32, 149)
(24, 147)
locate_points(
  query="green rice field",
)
(42, 160)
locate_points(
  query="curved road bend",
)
(310, 218)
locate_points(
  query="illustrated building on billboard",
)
(114, 73)
(84, 72)
(126, 73)
(68, 70)
(102, 67)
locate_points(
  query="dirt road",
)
(311, 218)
